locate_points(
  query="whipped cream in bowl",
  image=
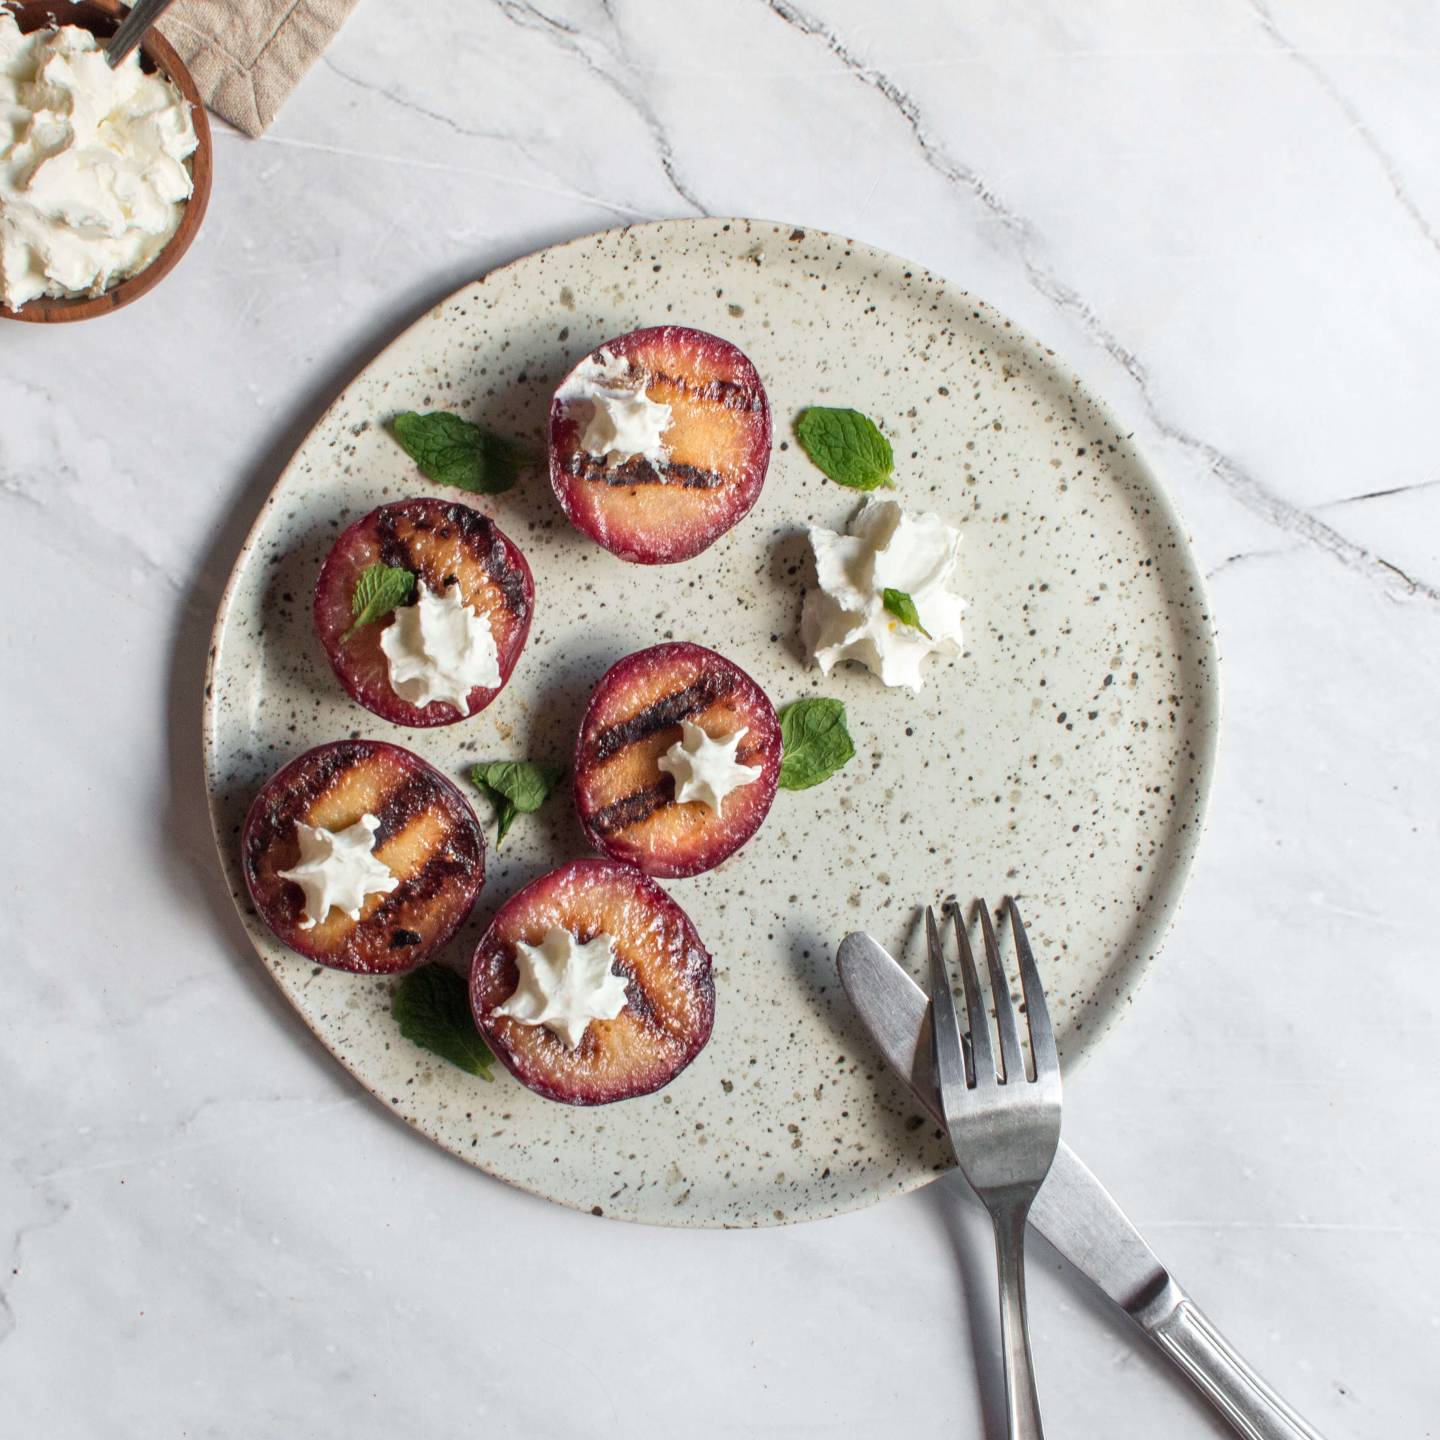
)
(104, 174)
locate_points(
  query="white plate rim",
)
(1169, 895)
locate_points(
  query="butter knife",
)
(1076, 1214)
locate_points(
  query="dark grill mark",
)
(423, 886)
(307, 787)
(638, 1001)
(476, 532)
(393, 550)
(669, 710)
(731, 394)
(409, 798)
(633, 808)
(403, 938)
(509, 578)
(639, 471)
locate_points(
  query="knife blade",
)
(1077, 1215)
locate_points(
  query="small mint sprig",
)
(379, 590)
(452, 451)
(432, 1006)
(817, 742)
(902, 607)
(847, 446)
(515, 787)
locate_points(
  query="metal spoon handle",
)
(132, 29)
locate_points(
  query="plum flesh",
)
(670, 991)
(438, 541)
(718, 449)
(626, 803)
(429, 839)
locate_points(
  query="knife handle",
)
(1183, 1331)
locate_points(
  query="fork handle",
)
(1183, 1331)
(1022, 1405)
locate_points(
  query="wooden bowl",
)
(102, 17)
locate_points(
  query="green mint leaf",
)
(524, 784)
(847, 446)
(516, 787)
(432, 1005)
(817, 743)
(452, 451)
(902, 607)
(505, 813)
(378, 591)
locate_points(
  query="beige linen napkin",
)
(248, 55)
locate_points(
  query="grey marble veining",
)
(1225, 219)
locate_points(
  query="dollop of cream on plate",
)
(887, 548)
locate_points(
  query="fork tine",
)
(1014, 1060)
(944, 1026)
(981, 1055)
(1042, 1034)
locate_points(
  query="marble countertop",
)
(1227, 219)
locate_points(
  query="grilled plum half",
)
(428, 838)
(669, 998)
(627, 803)
(717, 447)
(438, 541)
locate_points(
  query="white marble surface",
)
(1227, 218)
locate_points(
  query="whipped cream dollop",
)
(93, 177)
(887, 548)
(339, 869)
(705, 768)
(440, 649)
(564, 985)
(618, 419)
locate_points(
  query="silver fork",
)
(1004, 1126)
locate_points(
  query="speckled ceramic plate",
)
(1065, 757)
